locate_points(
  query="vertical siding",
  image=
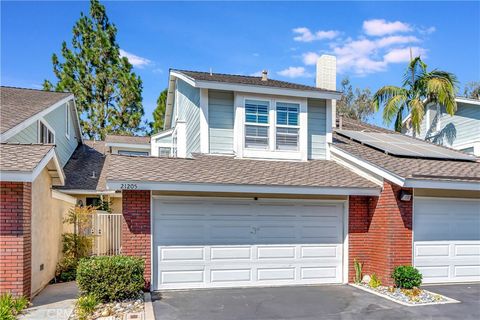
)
(188, 104)
(27, 135)
(220, 120)
(317, 125)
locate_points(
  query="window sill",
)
(277, 154)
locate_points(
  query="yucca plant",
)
(419, 88)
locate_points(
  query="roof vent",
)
(264, 75)
(93, 175)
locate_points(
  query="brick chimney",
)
(327, 79)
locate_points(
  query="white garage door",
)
(447, 239)
(229, 243)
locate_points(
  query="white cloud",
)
(310, 58)
(380, 27)
(429, 30)
(294, 72)
(393, 40)
(305, 35)
(135, 60)
(403, 54)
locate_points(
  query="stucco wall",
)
(47, 228)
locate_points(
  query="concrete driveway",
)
(309, 302)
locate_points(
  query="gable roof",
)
(112, 138)
(405, 167)
(19, 104)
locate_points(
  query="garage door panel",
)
(230, 253)
(235, 275)
(467, 271)
(464, 250)
(432, 250)
(272, 252)
(182, 276)
(311, 252)
(309, 273)
(264, 274)
(186, 253)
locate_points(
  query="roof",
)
(228, 170)
(22, 157)
(112, 138)
(19, 104)
(248, 80)
(406, 167)
(88, 158)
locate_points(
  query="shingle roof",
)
(249, 80)
(112, 138)
(88, 158)
(18, 104)
(22, 157)
(417, 168)
(228, 170)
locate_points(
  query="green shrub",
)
(406, 277)
(11, 306)
(66, 269)
(86, 305)
(111, 278)
(358, 270)
(374, 281)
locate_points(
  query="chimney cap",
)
(264, 75)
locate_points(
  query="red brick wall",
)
(15, 238)
(380, 233)
(136, 227)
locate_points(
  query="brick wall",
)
(136, 227)
(15, 237)
(380, 232)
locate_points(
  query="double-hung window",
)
(287, 126)
(45, 135)
(256, 124)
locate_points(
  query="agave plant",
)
(419, 88)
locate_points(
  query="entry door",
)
(447, 239)
(234, 243)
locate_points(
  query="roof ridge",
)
(33, 89)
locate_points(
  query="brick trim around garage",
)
(136, 231)
(15, 238)
(380, 233)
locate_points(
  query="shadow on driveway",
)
(309, 302)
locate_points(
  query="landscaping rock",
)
(412, 296)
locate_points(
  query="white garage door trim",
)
(445, 261)
(343, 269)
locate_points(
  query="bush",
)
(111, 278)
(86, 305)
(11, 306)
(374, 281)
(406, 277)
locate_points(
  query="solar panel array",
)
(401, 145)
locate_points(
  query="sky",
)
(371, 40)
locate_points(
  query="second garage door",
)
(229, 243)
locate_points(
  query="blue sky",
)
(370, 39)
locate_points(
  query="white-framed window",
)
(46, 134)
(164, 152)
(257, 124)
(133, 153)
(67, 121)
(287, 126)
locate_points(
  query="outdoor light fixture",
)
(405, 195)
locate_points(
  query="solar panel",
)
(401, 145)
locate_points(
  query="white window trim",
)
(268, 125)
(67, 121)
(286, 126)
(45, 123)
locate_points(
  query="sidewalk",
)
(55, 302)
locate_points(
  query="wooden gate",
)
(106, 231)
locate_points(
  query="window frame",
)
(133, 153)
(49, 128)
(257, 124)
(288, 126)
(67, 120)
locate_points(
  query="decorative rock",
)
(366, 279)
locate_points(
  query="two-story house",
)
(460, 131)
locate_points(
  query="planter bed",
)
(115, 310)
(423, 298)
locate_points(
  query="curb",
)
(148, 308)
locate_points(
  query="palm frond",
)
(384, 94)
(393, 106)
(441, 87)
(417, 110)
(415, 70)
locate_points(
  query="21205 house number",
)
(129, 186)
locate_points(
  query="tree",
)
(356, 105)
(108, 93)
(159, 112)
(419, 88)
(472, 90)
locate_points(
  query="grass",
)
(11, 306)
(86, 305)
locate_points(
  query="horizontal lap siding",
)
(221, 121)
(27, 135)
(316, 129)
(189, 110)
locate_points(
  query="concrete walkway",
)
(55, 302)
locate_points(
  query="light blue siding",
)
(27, 135)
(317, 128)
(460, 129)
(188, 104)
(221, 120)
(164, 139)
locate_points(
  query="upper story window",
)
(256, 124)
(133, 153)
(45, 133)
(67, 121)
(287, 126)
(164, 152)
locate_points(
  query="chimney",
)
(327, 79)
(264, 75)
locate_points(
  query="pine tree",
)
(159, 112)
(108, 93)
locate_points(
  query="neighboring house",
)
(460, 131)
(39, 132)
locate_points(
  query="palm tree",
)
(419, 89)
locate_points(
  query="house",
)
(38, 132)
(460, 131)
(255, 182)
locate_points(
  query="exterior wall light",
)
(405, 195)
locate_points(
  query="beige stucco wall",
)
(47, 228)
(116, 204)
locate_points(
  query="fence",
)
(107, 230)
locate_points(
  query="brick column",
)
(15, 238)
(136, 227)
(380, 233)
